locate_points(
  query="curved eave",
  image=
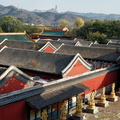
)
(77, 58)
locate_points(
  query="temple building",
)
(32, 81)
(53, 34)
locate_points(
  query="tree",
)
(63, 23)
(97, 36)
(79, 22)
(77, 25)
(32, 29)
(113, 28)
(10, 24)
(99, 25)
(117, 28)
(84, 30)
(20, 19)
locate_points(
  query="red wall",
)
(77, 69)
(16, 111)
(48, 49)
(101, 81)
(12, 84)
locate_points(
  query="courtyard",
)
(112, 112)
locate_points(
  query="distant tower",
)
(56, 7)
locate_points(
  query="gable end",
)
(77, 66)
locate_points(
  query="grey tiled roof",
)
(84, 43)
(59, 43)
(68, 41)
(114, 44)
(45, 99)
(21, 44)
(105, 46)
(54, 43)
(34, 60)
(114, 40)
(90, 52)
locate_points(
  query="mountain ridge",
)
(101, 16)
(44, 18)
(50, 18)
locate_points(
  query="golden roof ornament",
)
(63, 112)
(79, 106)
(92, 101)
(44, 115)
(112, 94)
(103, 97)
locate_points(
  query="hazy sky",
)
(84, 6)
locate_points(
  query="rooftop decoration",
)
(63, 112)
(79, 106)
(44, 115)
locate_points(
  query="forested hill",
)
(45, 18)
(55, 18)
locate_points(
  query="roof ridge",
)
(59, 47)
(3, 41)
(3, 48)
(19, 33)
(19, 41)
(88, 47)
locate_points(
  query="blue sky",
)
(83, 6)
